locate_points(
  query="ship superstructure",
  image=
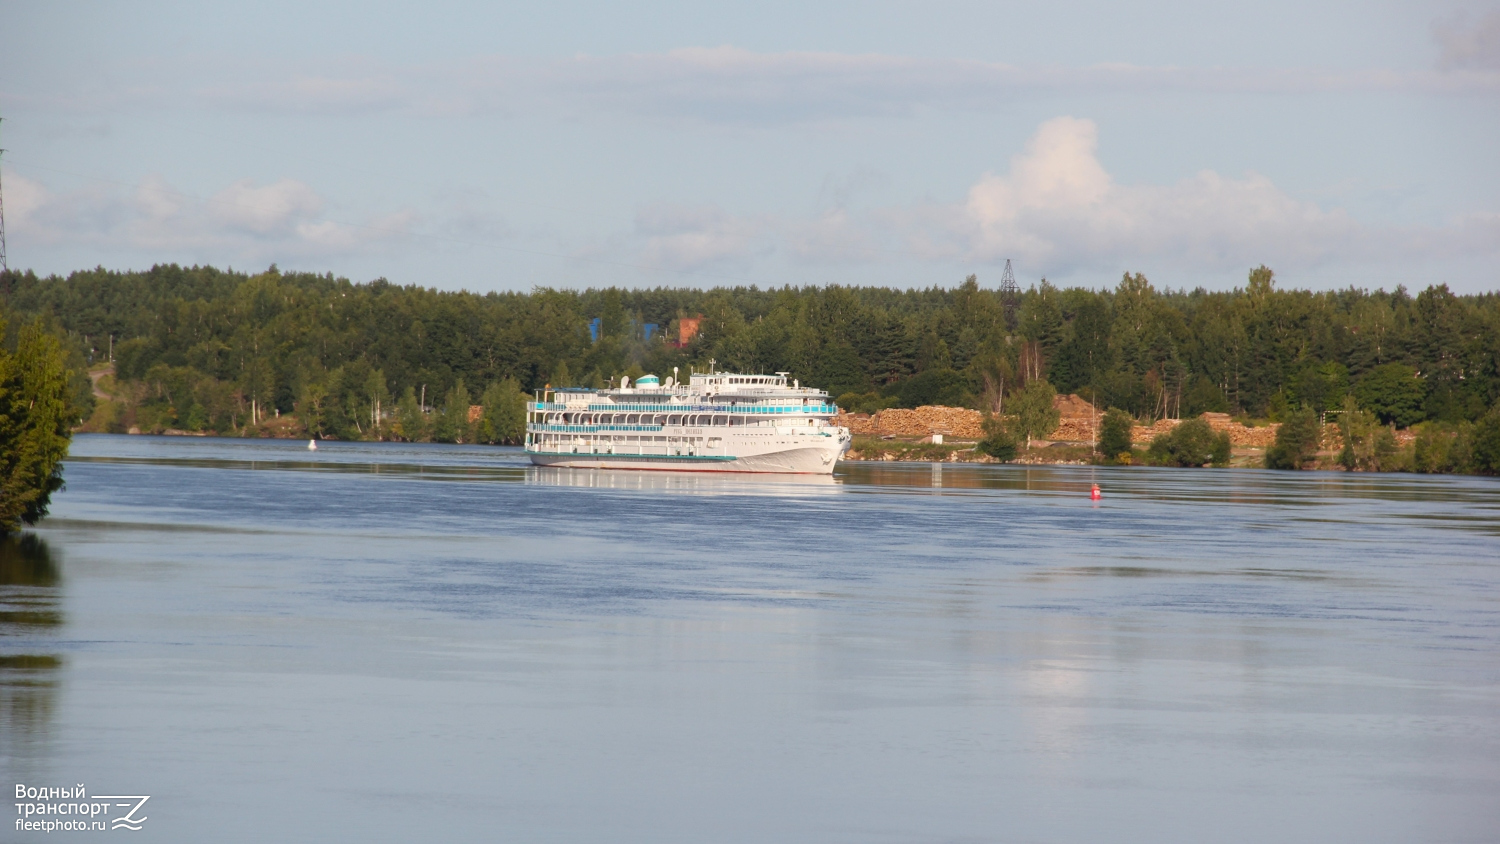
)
(718, 422)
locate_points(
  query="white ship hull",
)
(813, 460)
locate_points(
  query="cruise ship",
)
(718, 422)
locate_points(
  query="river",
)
(389, 642)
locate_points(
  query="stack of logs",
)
(957, 422)
(1241, 435)
(1078, 423)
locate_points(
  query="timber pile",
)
(1077, 424)
(1143, 434)
(859, 424)
(1073, 430)
(1241, 434)
(1071, 406)
(1077, 421)
(957, 422)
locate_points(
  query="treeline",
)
(206, 349)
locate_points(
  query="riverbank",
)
(1042, 453)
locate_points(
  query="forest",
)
(203, 349)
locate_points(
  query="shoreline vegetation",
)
(35, 429)
(1291, 379)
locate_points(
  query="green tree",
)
(452, 424)
(1486, 444)
(1204, 396)
(504, 418)
(34, 425)
(1322, 387)
(1192, 443)
(1034, 412)
(933, 387)
(1364, 448)
(256, 382)
(1296, 443)
(871, 402)
(840, 369)
(1041, 318)
(411, 423)
(999, 441)
(1114, 435)
(1440, 448)
(1394, 393)
(612, 315)
(315, 406)
(1086, 356)
(1388, 454)
(375, 400)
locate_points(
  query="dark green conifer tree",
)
(35, 430)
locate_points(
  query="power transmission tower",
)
(4, 267)
(1010, 296)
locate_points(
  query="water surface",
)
(383, 642)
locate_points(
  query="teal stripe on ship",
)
(654, 458)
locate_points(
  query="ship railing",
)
(791, 409)
(589, 429)
(811, 409)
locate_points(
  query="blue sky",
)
(909, 144)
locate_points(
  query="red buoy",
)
(1095, 494)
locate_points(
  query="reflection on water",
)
(436, 471)
(1148, 571)
(423, 642)
(26, 560)
(701, 483)
(29, 608)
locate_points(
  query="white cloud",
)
(1059, 211)
(23, 197)
(243, 221)
(1058, 206)
(1469, 46)
(270, 210)
(834, 238)
(689, 238)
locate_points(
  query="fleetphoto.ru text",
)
(48, 809)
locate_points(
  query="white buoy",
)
(312, 445)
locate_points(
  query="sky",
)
(487, 146)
